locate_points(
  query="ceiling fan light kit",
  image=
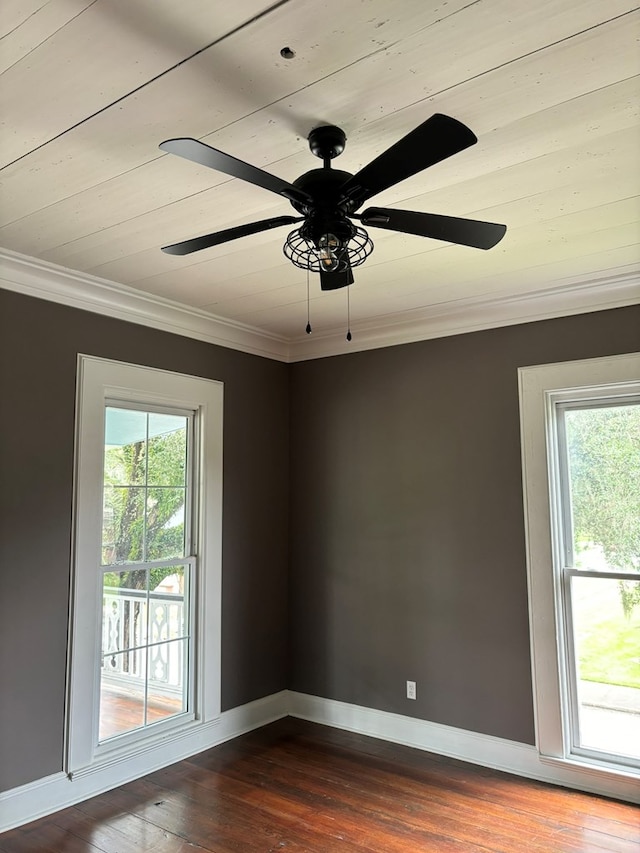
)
(328, 242)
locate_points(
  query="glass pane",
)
(604, 479)
(122, 693)
(144, 644)
(167, 450)
(607, 641)
(124, 615)
(165, 523)
(125, 447)
(168, 605)
(167, 680)
(122, 525)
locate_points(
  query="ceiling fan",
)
(328, 241)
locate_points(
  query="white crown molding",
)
(90, 293)
(574, 296)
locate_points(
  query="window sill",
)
(600, 769)
(130, 752)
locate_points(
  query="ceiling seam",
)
(45, 40)
(273, 8)
(198, 192)
(215, 42)
(404, 200)
(28, 18)
(513, 61)
(271, 164)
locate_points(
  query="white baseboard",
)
(45, 796)
(497, 753)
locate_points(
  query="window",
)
(147, 563)
(598, 475)
(581, 464)
(145, 632)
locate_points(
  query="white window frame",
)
(563, 402)
(541, 388)
(100, 382)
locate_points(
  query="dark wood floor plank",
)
(454, 786)
(350, 787)
(125, 833)
(304, 788)
(278, 800)
(216, 826)
(328, 772)
(532, 797)
(581, 803)
(44, 836)
(506, 828)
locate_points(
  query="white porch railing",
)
(138, 632)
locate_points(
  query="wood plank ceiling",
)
(89, 88)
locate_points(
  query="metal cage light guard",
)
(303, 252)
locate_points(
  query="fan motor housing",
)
(318, 225)
(323, 185)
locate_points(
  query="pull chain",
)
(308, 329)
(348, 313)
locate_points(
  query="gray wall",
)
(408, 551)
(406, 554)
(39, 342)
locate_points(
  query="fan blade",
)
(466, 232)
(205, 155)
(434, 140)
(336, 280)
(197, 243)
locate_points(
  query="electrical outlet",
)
(411, 690)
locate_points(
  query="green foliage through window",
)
(144, 494)
(604, 461)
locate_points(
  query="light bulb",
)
(327, 246)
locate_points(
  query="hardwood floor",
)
(302, 788)
(122, 710)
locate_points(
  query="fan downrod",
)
(327, 142)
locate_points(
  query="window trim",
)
(540, 387)
(100, 381)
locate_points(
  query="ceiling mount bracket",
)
(327, 142)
